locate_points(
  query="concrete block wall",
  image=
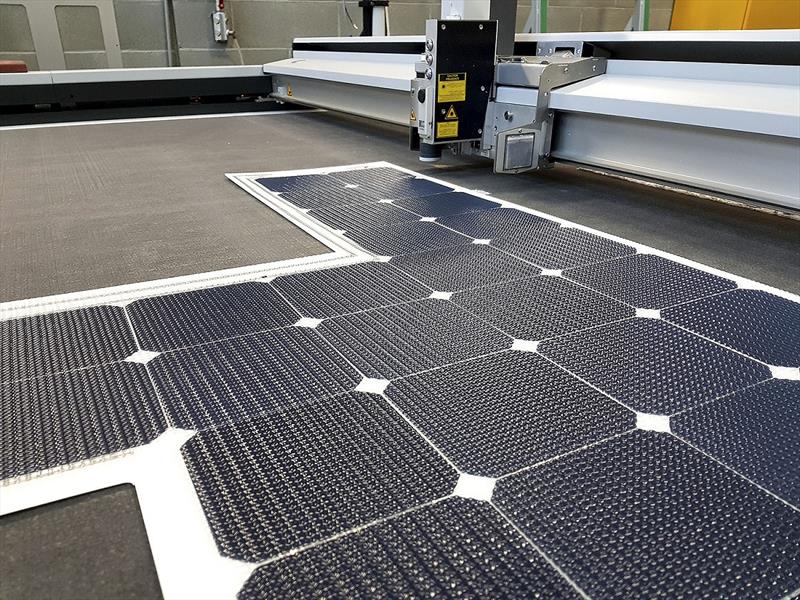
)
(264, 28)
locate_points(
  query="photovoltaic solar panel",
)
(498, 224)
(36, 346)
(361, 216)
(644, 516)
(291, 183)
(455, 548)
(497, 414)
(405, 238)
(756, 323)
(382, 185)
(563, 248)
(190, 318)
(649, 281)
(755, 431)
(541, 307)
(251, 375)
(652, 366)
(463, 267)
(60, 419)
(316, 191)
(375, 177)
(449, 203)
(396, 340)
(303, 474)
(332, 292)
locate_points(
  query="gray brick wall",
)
(265, 28)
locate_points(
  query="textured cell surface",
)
(646, 516)
(498, 224)
(234, 379)
(542, 307)
(291, 183)
(190, 318)
(385, 183)
(405, 238)
(332, 292)
(756, 323)
(372, 177)
(463, 267)
(406, 338)
(755, 431)
(362, 216)
(44, 344)
(649, 281)
(298, 476)
(450, 203)
(455, 548)
(61, 419)
(563, 248)
(494, 415)
(316, 191)
(653, 367)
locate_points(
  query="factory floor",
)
(101, 205)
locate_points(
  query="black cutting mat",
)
(756, 323)
(238, 378)
(494, 415)
(44, 344)
(397, 340)
(755, 431)
(563, 248)
(190, 318)
(405, 238)
(463, 267)
(541, 307)
(66, 418)
(300, 475)
(652, 366)
(455, 548)
(499, 224)
(332, 292)
(384, 183)
(646, 516)
(361, 216)
(649, 281)
(449, 203)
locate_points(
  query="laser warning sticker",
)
(452, 87)
(447, 129)
(451, 114)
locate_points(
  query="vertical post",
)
(537, 20)
(505, 13)
(641, 16)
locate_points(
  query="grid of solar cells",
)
(755, 431)
(190, 318)
(60, 419)
(498, 224)
(332, 292)
(251, 375)
(449, 203)
(377, 176)
(405, 238)
(356, 216)
(652, 366)
(317, 191)
(291, 183)
(396, 340)
(463, 267)
(497, 414)
(454, 548)
(321, 468)
(756, 323)
(649, 281)
(541, 307)
(384, 183)
(646, 516)
(36, 346)
(563, 248)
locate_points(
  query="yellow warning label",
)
(451, 113)
(452, 87)
(448, 129)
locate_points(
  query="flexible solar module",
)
(477, 401)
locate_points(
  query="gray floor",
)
(88, 547)
(100, 205)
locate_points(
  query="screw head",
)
(429, 73)
(444, 26)
(429, 59)
(429, 44)
(480, 130)
(480, 26)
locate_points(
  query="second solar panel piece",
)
(271, 484)
(454, 548)
(450, 203)
(644, 515)
(497, 414)
(405, 238)
(406, 338)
